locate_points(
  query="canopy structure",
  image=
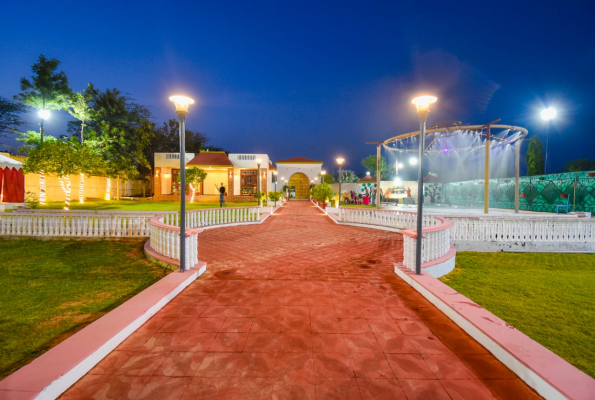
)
(12, 181)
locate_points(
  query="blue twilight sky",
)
(320, 78)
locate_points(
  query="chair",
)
(563, 206)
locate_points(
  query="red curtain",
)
(14, 186)
(1, 175)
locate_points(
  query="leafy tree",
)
(347, 176)
(386, 171)
(80, 106)
(124, 131)
(167, 138)
(10, 115)
(193, 177)
(328, 178)
(47, 88)
(534, 157)
(582, 164)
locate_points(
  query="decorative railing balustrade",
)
(435, 242)
(75, 224)
(165, 240)
(107, 223)
(436, 230)
(388, 218)
(526, 229)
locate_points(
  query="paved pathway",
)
(300, 308)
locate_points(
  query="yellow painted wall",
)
(214, 178)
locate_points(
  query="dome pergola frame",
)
(481, 130)
(456, 128)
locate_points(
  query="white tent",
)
(7, 162)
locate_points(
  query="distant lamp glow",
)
(258, 161)
(182, 103)
(368, 173)
(44, 114)
(398, 182)
(275, 173)
(413, 161)
(422, 103)
(400, 165)
(340, 161)
(548, 113)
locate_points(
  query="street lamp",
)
(413, 161)
(275, 175)
(340, 161)
(182, 103)
(548, 114)
(422, 104)
(368, 173)
(258, 162)
(323, 173)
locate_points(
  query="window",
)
(248, 182)
(246, 157)
(175, 185)
(172, 156)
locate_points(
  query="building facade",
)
(298, 172)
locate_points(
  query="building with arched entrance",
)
(299, 172)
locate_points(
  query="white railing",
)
(388, 218)
(436, 230)
(503, 229)
(221, 216)
(100, 223)
(435, 242)
(64, 223)
(165, 240)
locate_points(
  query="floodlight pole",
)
(517, 172)
(486, 180)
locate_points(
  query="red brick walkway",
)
(299, 308)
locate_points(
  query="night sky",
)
(319, 79)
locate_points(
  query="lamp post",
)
(323, 173)
(547, 114)
(258, 162)
(422, 104)
(398, 165)
(340, 161)
(275, 176)
(182, 103)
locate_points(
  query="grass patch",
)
(132, 205)
(51, 289)
(547, 296)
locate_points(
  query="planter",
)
(522, 194)
(322, 205)
(564, 195)
(591, 174)
(505, 180)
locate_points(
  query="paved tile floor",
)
(299, 308)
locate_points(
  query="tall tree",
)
(582, 164)
(47, 88)
(124, 131)
(10, 115)
(80, 106)
(194, 177)
(348, 176)
(386, 171)
(534, 157)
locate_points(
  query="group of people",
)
(365, 198)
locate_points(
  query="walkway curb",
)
(548, 374)
(52, 373)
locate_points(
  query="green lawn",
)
(550, 297)
(51, 289)
(132, 205)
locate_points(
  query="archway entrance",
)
(299, 186)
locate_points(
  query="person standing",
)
(221, 194)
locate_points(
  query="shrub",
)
(322, 192)
(275, 196)
(31, 199)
